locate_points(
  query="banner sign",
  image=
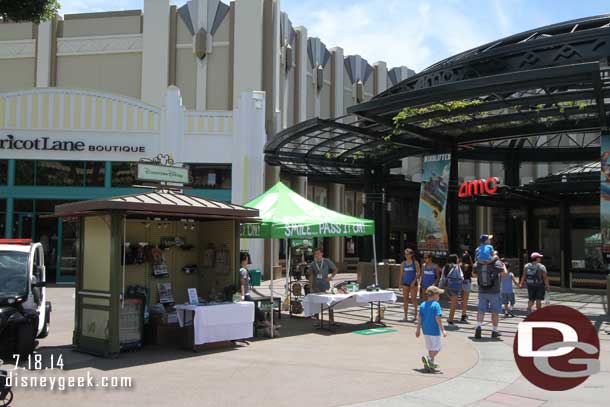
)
(161, 173)
(301, 231)
(604, 192)
(431, 227)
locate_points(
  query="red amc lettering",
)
(478, 187)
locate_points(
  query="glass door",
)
(47, 235)
(67, 257)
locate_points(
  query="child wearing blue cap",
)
(484, 254)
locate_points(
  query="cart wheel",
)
(7, 398)
(25, 339)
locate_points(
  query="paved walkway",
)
(306, 367)
(495, 380)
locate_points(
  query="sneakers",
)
(451, 323)
(495, 334)
(477, 333)
(429, 366)
(511, 313)
(464, 318)
(505, 314)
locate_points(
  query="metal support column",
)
(452, 202)
(565, 249)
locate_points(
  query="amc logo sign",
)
(478, 187)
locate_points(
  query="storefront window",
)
(3, 172)
(95, 172)
(2, 217)
(586, 243)
(25, 172)
(60, 173)
(124, 174)
(207, 176)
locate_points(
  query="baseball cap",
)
(483, 238)
(535, 255)
(434, 290)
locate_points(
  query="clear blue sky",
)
(415, 33)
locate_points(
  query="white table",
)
(218, 322)
(318, 302)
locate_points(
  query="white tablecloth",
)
(312, 302)
(221, 322)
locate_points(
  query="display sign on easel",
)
(193, 298)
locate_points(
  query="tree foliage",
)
(28, 10)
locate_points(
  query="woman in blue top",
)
(431, 273)
(410, 277)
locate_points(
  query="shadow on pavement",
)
(424, 371)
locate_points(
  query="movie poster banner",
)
(604, 194)
(431, 227)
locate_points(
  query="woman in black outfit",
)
(467, 266)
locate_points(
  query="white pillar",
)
(248, 166)
(300, 185)
(337, 81)
(248, 48)
(172, 124)
(381, 76)
(43, 56)
(155, 51)
(274, 92)
(301, 74)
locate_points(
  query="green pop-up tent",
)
(285, 214)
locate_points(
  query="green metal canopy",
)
(287, 215)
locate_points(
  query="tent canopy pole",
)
(271, 286)
(375, 260)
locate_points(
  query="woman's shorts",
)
(433, 343)
(452, 292)
(535, 292)
(467, 286)
(508, 298)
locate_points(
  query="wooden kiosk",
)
(153, 218)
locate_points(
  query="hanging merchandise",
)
(141, 252)
(297, 289)
(209, 256)
(222, 255)
(296, 307)
(159, 266)
(222, 264)
(166, 296)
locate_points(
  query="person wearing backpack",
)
(490, 299)
(537, 280)
(453, 280)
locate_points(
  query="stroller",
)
(6, 394)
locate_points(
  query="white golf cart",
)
(24, 312)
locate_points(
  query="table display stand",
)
(320, 326)
(379, 321)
